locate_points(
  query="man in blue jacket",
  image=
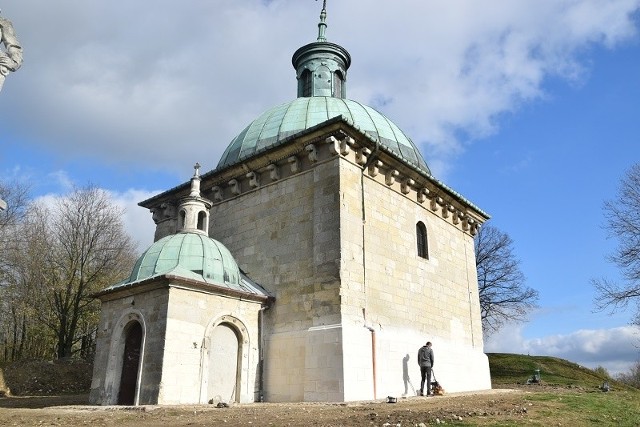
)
(425, 360)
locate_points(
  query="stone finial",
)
(322, 25)
(195, 181)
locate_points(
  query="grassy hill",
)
(517, 368)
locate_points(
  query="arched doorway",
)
(224, 354)
(130, 364)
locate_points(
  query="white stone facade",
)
(176, 366)
(359, 256)
(328, 226)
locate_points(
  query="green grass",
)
(578, 400)
(517, 368)
(616, 408)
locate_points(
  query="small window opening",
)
(202, 216)
(337, 84)
(306, 83)
(421, 238)
(181, 221)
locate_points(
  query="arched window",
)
(202, 216)
(130, 364)
(421, 239)
(306, 84)
(182, 220)
(337, 84)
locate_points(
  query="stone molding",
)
(304, 153)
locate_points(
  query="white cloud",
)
(137, 220)
(616, 349)
(163, 80)
(62, 180)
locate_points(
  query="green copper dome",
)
(282, 121)
(321, 73)
(189, 255)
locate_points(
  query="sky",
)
(527, 108)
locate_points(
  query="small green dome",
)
(190, 255)
(277, 124)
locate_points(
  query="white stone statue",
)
(11, 57)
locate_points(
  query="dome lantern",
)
(321, 67)
(193, 210)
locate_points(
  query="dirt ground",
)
(484, 408)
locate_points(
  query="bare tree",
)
(13, 317)
(632, 376)
(53, 258)
(16, 195)
(503, 293)
(623, 222)
(89, 250)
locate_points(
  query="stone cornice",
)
(385, 168)
(334, 138)
(166, 281)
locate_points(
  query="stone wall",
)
(327, 223)
(402, 298)
(150, 310)
(191, 318)
(285, 235)
(177, 324)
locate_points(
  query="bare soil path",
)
(507, 405)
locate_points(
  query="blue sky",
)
(529, 109)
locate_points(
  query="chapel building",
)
(309, 265)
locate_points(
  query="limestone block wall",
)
(404, 298)
(284, 373)
(285, 235)
(337, 249)
(177, 324)
(358, 351)
(324, 375)
(457, 367)
(191, 318)
(149, 309)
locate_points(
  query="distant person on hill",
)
(425, 360)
